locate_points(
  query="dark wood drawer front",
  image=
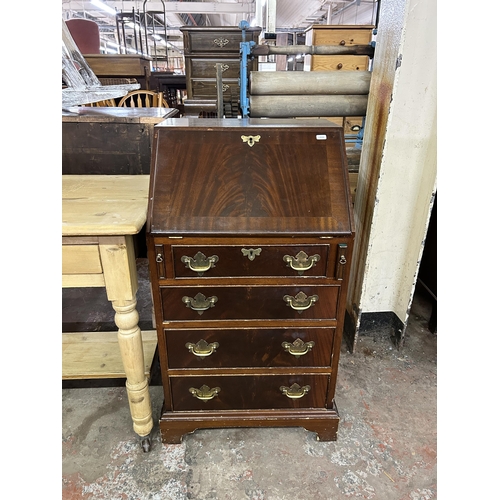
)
(251, 260)
(248, 392)
(206, 68)
(208, 88)
(250, 348)
(253, 302)
(213, 42)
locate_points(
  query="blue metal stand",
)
(245, 51)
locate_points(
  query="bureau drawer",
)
(208, 88)
(335, 63)
(237, 348)
(212, 41)
(206, 67)
(248, 392)
(249, 302)
(257, 261)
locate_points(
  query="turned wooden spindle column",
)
(120, 272)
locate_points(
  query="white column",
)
(397, 173)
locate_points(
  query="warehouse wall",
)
(397, 174)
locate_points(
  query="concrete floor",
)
(386, 448)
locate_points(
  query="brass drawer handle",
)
(301, 301)
(224, 67)
(301, 262)
(204, 393)
(200, 303)
(225, 87)
(342, 260)
(221, 42)
(298, 347)
(159, 258)
(295, 391)
(200, 262)
(202, 348)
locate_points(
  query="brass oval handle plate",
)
(202, 348)
(221, 42)
(301, 262)
(204, 393)
(301, 301)
(251, 253)
(200, 263)
(224, 67)
(298, 347)
(199, 303)
(295, 391)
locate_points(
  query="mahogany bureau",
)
(249, 233)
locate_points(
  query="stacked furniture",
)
(342, 35)
(204, 47)
(250, 235)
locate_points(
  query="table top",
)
(104, 205)
(114, 114)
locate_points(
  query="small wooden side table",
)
(100, 215)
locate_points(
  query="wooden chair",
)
(108, 103)
(143, 99)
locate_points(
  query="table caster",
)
(146, 444)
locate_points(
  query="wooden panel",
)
(232, 262)
(81, 259)
(93, 355)
(247, 392)
(250, 348)
(255, 302)
(276, 186)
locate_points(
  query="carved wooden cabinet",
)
(250, 233)
(204, 47)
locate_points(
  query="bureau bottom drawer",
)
(249, 392)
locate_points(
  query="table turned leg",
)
(131, 349)
(120, 275)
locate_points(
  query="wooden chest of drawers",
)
(250, 235)
(204, 47)
(344, 35)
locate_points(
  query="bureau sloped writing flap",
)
(249, 177)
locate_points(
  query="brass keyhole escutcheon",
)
(250, 139)
(251, 253)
